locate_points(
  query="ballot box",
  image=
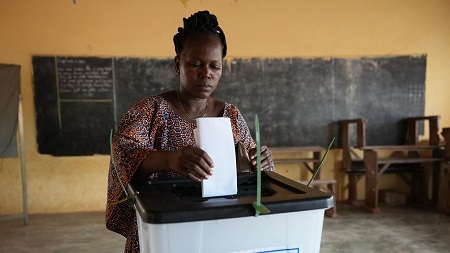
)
(173, 217)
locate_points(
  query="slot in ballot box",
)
(173, 217)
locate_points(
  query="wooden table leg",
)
(436, 174)
(353, 179)
(371, 166)
(444, 191)
(417, 188)
(317, 155)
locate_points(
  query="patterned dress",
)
(148, 126)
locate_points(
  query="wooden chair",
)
(353, 163)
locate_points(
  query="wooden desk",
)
(328, 185)
(375, 166)
(316, 152)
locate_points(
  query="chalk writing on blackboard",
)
(84, 78)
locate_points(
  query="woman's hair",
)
(201, 22)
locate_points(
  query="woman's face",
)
(200, 65)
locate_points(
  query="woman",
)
(155, 138)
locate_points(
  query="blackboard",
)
(79, 100)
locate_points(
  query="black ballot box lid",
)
(179, 200)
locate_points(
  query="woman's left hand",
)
(266, 158)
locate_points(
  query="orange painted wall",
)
(254, 28)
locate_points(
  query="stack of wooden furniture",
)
(327, 185)
(408, 158)
(444, 183)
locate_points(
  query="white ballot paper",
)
(215, 137)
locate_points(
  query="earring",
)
(178, 72)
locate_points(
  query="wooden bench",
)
(403, 159)
(353, 163)
(328, 185)
(307, 161)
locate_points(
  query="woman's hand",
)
(192, 162)
(266, 158)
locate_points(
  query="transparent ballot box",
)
(173, 217)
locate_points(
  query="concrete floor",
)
(398, 229)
